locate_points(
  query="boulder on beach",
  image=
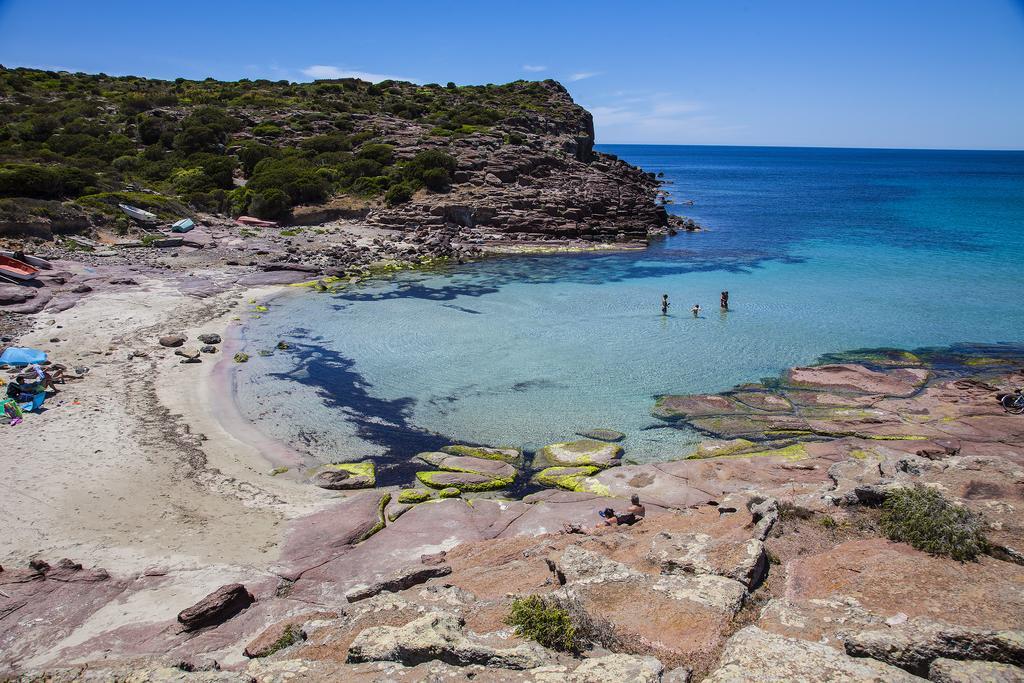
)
(464, 463)
(173, 340)
(217, 607)
(209, 338)
(583, 452)
(346, 476)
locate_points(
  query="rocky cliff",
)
(512, 161)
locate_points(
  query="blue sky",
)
(850, 73)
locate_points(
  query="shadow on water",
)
(487, 277)
(385, 423)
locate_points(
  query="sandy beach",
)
(134, 464)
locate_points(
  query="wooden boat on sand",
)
(19, 270)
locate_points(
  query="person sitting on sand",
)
(20, 390)
(48, 376)
(635, 508)
(664, 304)
(695, 310)
(608, 518)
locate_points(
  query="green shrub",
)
(399, 193)
(541, 619)
(43, 182)
(253, 153)
(436, 179)
(925, 519)
(270, 204)
(382, 154)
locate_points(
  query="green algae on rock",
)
(568, 478)
(413, 496)
(583, 452)
(450, 492)
(346, 475)
(506, 453)
(716, 448)
(466, 482)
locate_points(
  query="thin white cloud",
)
(534, 68)
(580, 75)
(319, 71)
(659, 118)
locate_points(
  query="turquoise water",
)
(821, 250)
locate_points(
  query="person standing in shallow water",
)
(725, 300)
(695, 310)
(664, 304)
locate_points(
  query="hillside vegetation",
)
(256, 147)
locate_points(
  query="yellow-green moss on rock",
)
(568, 478)
(463, 481)
(583, 452)
(505, 453)
(413, 496)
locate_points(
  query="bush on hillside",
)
(399, 193)
(270, 204)
(43, 182)
(925, 519)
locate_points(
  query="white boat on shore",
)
(138, 214)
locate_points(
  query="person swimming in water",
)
(695, 310)
(664, 304)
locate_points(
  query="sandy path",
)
(132, 466)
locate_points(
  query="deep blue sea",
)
(821, 250)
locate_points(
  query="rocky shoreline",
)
(762, 555)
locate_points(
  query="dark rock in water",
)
(241, 357)
(283, 346)
(172, 340)
(603, 435)
(217, 607)
(209, 349)
(399, 581)
(209, 338)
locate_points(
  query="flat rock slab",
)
(697, 405)
(986, 594)
(463, 481)
(858, 379)
(402, 579)
(763, 400)
(317, 538)
(466, 463)
(756, 655)
(582, 452)
(507, 454)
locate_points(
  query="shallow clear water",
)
(821, 250)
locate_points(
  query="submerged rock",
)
(602, 435)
